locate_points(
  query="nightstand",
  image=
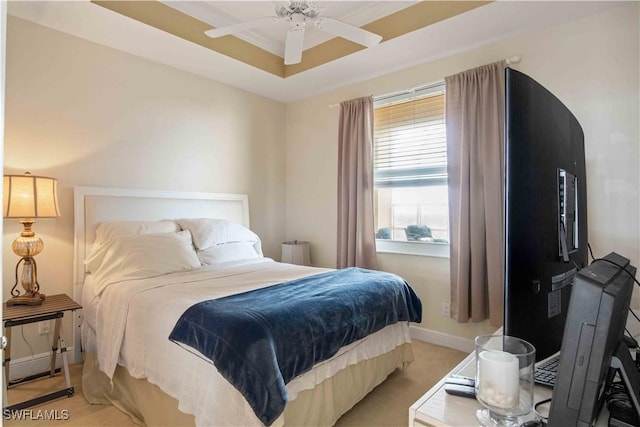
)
(52, 308)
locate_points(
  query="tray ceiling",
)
(263, 48)
(172, 33)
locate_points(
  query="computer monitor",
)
(593, 342)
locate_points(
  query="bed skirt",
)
(147, 404)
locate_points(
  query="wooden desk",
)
(53, 307)
(437, 408)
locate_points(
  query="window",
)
(410, 173)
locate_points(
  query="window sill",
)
(438, 250)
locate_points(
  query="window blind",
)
(410, 146)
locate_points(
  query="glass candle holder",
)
(504, 379)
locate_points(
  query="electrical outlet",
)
(44, 327)
(445, 309)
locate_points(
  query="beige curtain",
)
(356, 234)
(475, 156)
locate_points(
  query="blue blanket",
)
(262, 339)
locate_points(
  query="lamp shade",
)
(29, 196)
(296, 252)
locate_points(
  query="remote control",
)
(460, 376)
(460, 390)
(461, 381)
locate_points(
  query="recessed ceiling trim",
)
(204, 11)
(365, 13)
(419, 16)
(170, 20)
(397, 24)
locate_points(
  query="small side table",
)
(53, 307)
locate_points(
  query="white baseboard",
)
(25, 366)
(439, 338)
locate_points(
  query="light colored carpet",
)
(387, 405)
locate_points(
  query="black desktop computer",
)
(593, 349)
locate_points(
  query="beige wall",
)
(93, 116)
(591, 64)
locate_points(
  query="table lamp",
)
(28, 197)
(296, 252)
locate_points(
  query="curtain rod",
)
(407, 91)
(510, 61)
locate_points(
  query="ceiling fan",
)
(299, 13)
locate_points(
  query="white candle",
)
(498, 379)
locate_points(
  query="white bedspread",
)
(133, 320)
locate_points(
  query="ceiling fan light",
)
(282, 10)
(307, 9)
(311, 12)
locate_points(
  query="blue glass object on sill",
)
(383, 233)
(418, 233)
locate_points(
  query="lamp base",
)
(27, 299)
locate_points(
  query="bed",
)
(129, 315)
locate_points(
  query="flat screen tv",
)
(593, 338)
(545, 212)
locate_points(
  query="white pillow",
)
(108, 231)
(234, 251)
(112, 229)
(145, 255)
(208, 232)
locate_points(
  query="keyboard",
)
(545, 371)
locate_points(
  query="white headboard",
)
(94, 205)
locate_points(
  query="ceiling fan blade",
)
(293, 45)
(240, 26)
(348, 31)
